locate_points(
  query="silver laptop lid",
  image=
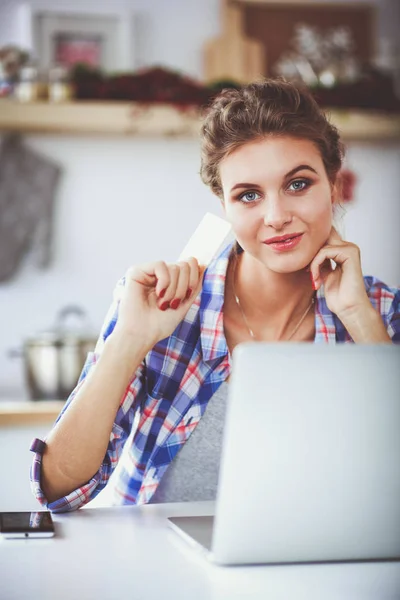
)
(311, 457)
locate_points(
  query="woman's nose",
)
(276, 214)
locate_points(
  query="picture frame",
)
(104, 41)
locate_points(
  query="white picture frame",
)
(114, 31)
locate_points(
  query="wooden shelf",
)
(123, 118)
(129, 118)
(29, 412)
(360, 125)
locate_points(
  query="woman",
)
(163, 356)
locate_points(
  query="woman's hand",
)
(345, 291)
(156, 297)
(344, 286)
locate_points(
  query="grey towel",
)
(28, 183)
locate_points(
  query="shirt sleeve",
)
(386, 300)
(120, 431)
(393, 324)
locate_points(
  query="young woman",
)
(164, 353)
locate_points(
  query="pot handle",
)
(72, 310)
(15, 353)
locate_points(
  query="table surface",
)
(132, 552)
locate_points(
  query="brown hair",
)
(267, 107)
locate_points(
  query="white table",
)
(131, 553)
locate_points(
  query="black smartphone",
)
(26, 524)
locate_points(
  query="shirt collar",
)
(212, 336)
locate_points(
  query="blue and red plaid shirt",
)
(171, 388)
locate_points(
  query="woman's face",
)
(278, 188)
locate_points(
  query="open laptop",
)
(310, 467)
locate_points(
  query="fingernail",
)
(314, 287)
(189, 293)
(164, 306)
(175, 303)
(162, 293)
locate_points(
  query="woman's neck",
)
(263, 292)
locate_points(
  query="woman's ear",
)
(335, 191)
(337, 206)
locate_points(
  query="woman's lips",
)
(286, 244)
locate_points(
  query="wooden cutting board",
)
(233, 55)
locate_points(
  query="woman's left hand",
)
(344, 286)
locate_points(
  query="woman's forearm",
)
(76, 447)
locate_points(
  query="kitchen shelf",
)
(366, 125)
(123, 118)
(27, 413)
(130, 118)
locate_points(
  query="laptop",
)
(310, 466)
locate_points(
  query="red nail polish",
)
(175, 303)
(164, 306)
(189, 293)
(162, 293)
(312, 281)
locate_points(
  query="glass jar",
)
(59, 85)
(28, 88)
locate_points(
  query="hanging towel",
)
(28, 183)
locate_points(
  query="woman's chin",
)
(287, 265)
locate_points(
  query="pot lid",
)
(72, 326)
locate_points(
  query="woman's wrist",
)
(365, 325)
(127, 348)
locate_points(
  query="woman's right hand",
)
(156, 297)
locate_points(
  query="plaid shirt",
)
(171, 388)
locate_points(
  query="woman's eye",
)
(299, 185)
(249, 197)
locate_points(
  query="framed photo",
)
(70, 49)
(98, 40)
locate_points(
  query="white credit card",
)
(208, 239)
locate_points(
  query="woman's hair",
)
(268, 107)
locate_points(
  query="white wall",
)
(124, 200)
(168, 32)
(373, 220)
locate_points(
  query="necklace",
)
(251, 332)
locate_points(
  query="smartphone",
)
(26, 524)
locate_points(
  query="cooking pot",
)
(53, 359)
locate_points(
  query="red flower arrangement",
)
(347, 181)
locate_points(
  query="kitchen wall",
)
(169, 32)
(127, 200)
(15, 492)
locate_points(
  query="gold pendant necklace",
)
(251, 332)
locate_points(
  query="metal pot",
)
(53, 360)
